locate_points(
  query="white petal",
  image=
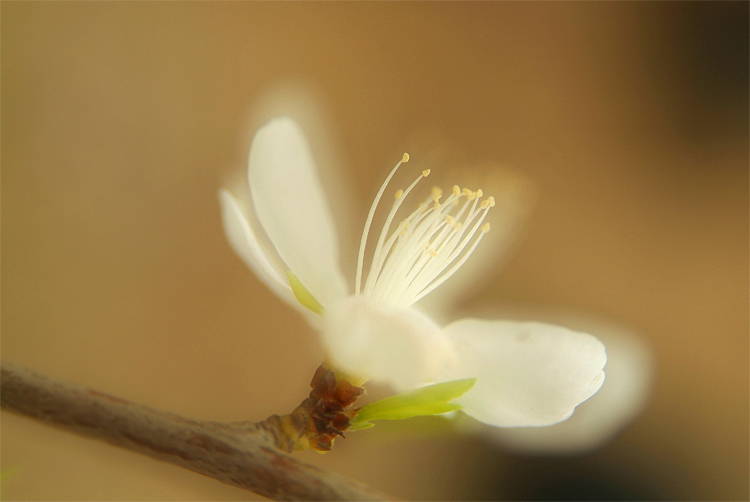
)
(400, 347)
(290, 204)
(621, 398)
(528, 374)
(246, 245)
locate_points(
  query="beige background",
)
(119, 121)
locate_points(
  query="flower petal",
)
(290, 204)
(246, 245)
(528, 374)
(622, 397)
(399, 347)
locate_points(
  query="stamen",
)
(427, 279)
(437, 192)
(404, 262)
(450, 272)
(368, 222)
(427, 247)
(377, 259)
(404, 266)
(424, 261)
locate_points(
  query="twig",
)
(241, 454)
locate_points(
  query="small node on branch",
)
(320, 418)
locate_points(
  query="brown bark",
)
(241, 454)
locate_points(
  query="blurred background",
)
(121, 120)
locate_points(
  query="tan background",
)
(120, 119)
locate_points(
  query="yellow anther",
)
(432, 252)
(466, 191)
(480, 193)
(405, 158)
(436, 205)
(492, 201)
(426, 173)
(472, 195)
(449, 219)
(458, 226)
(485, 204)
(456, 190)
(437, 192)
(399, 193)
(485, 228)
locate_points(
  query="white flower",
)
(528, 374)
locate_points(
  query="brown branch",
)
(242, 454)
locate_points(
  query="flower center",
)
(427, 247)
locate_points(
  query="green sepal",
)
(359, 426)
(430, 400)
(303, 295)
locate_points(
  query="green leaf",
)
(303, 295)
(430, 400)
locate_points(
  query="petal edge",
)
(245, 243)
